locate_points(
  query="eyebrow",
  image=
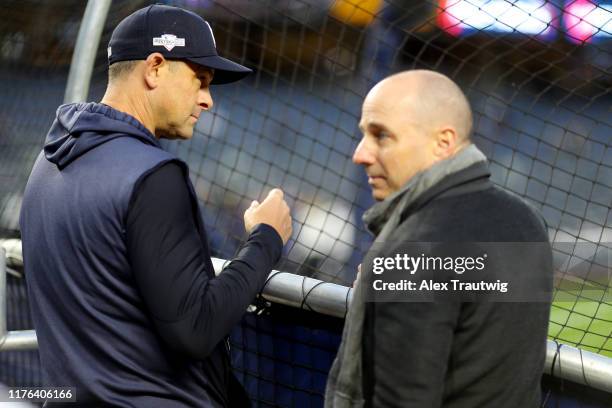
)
(373, 126)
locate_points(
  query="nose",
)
(205, 100)
(363, 154)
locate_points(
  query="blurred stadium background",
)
(538, 76)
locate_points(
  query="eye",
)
(382, 134)
(204, 81)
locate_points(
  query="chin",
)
(185, 135)
(379, 195)
(180, 135)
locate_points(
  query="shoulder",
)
(515, 207)
(128, 156)
(130, 146)
(492, 214)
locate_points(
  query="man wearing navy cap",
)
(122, 289)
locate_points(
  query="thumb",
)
(254, 204)
(275, 192)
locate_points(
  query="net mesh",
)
(34, 63)
(282, 357)
(541, 106)
(537, 75)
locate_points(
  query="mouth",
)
(374, 179)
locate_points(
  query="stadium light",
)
(532, 17)
(585, 21)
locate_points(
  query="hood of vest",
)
(80, 127)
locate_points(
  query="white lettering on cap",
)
(168, 41)
(211, 34)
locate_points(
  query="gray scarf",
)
(345, 377)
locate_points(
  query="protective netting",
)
(36, 43)
(538, 83)
(537, 75)
(19, 368)
(282, 357)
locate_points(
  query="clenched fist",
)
(273, 211)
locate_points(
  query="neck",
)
(124, 99)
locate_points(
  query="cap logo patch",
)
(168, 41)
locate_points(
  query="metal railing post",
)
(2, 294)
(11, 340)
(562, 361)
(85, 50)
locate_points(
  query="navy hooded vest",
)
(93, 330)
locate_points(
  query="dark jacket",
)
(95, 330)
(455, 353)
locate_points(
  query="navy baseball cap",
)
(176, 34)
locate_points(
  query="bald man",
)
(410, 349)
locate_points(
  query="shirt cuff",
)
(270, 239)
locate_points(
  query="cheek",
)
(182, 92)
(190, 97)
(397, 169)
(403, 163)
(165, 103)
(171, 97)
(183, 100)
(192, 89)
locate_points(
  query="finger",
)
(276, 192)
(254, 203)
(272, 196)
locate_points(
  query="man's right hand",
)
(273, 211)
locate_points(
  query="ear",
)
(446, 142)
(153, 67)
